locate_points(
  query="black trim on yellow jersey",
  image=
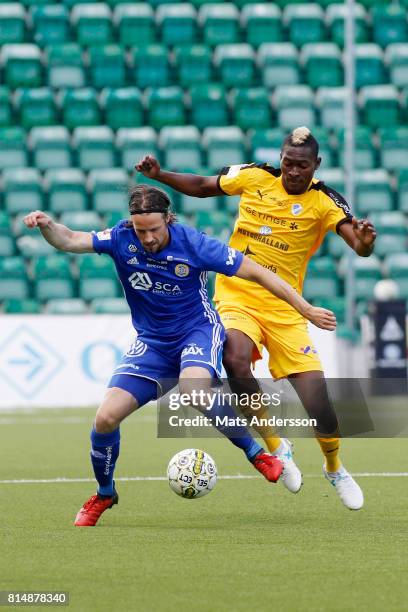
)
(333, 195)
(341, 222)
(218, 181)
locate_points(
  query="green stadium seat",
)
(181, 147)
(326, 151)
(305, 23)
(367, 271)
(333, 177)
(165, 106)
(109, 306)
(331, 103)
(380, 105)
(109, 189)
(74, 306)
(266, 146)
(323, 65)
(36, 107)
(199, 3)
(336, 246)
(390, 24)
(219, 23)
(6, 113)
(225, 146)
(66, 190)
(403, 190)
(396, 57)
(365, 157)
(150, 66)
(368, 4)
(392, 233)
(71, 3)
(13, 152)
(321, 280)
(65, 66)
(112, 218)
(251, 108)
(135, 24)
(174, 196)
(51, 147)
(82, 221)
(193, 64)
(397, 267)
(123, 107)
(94, 147)
(370, 68)
(52, 275)
(262, 23)
(93, 23)
(208, 105)
(373, 191)
(394, 148)
(7, 247)
(97, 278)
(12, 23)
(190, 205)
(335, 16)
(33, 245)
(295, 106)
(17, 306)
(80, 108)
(135, 143)
(107, 66)
(22, 190)
(214, 222)
(21, 65)
(336, 304)
(279, 64)
(5, 226)
(50, 24)
(235, 64)
(13, 279)
(177, 23)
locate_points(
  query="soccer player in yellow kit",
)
(284, 215)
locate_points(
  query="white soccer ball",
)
(192, 473)
(385, 290)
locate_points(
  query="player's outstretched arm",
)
(360, 235)
(250, 270)
(190, 184)
(59, 236)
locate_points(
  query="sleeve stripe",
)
(219, 184)
(341, 222)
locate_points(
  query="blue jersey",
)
(167, 291)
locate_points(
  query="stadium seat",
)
(109, 306)
(12, 23)
(373, 192)
(94, 147)
(266, 146)
(70, 3)
(392, 233)
(92, 23)
(22, 190)
(370, 68)
(389, 24)
(397, 267)
(335, 16)
(135, 143)
(97, 278)
(17, 306)
(279, 64)
(51, 147)
(403, 190)
(208, 105)
(331, 103)
(174, 196)
(177, 23)
(295, 106)
(6, 116)
(50, 24)
(21, 65)
(251, 108)
(13, 279)
(193, 64)
(80, 108)
(135, 24)
(326, 151)
(181, 147)
(321, 279)
(165, 106)
(225, 146)
(219, 23)
(396, 57)
(336, 246)
(190, 205)
(36, 107)
(52, 277)
(336, 304)
(82, 221)
(13, 152)
(323, 65)
(380, 105)
(333, 177)
(33, 245)
(66, 190)
(235, 64)
(109, 189)
(365, 157)
(150, 66)
(74, 306)
(107, 66)
(123, 107)
(6, 240)
(262, 23)
(64, 65)
(305, 23)
(367, 271)
(394, 148)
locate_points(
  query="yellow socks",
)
(330, 449)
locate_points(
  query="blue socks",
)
(104, 453)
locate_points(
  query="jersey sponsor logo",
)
(231, 256)
(142, 282)
(265, 230)
(266, 218)
(182, 270)
(105, 235)
(137, 349)
(296, 209)
(234, 170)
(293, 226)
(339, 201)
(192, 349)
(275, 244)
(133, 261)
(133, 248)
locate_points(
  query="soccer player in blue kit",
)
(163, 266)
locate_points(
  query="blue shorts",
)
(150, 369)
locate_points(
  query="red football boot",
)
(90, 512)
(271, 467)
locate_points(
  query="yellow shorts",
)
(289, 345)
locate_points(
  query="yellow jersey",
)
(277, 230)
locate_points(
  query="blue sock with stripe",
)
(104, 453)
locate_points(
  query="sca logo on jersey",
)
(182, 270)
(142, 282)
(297, 209)
(192, 349)
(265, 230)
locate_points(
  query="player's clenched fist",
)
(149, 166)
(325, 319)
(37, 219)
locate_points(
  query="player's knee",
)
(105, 422)
(237, 365)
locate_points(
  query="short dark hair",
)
(302, 137)
(147, 199)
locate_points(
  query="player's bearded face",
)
(152, 231)
(298, 165)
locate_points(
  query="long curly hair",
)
(147, 199)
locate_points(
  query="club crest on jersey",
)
(297, 209)
(133, 248)
(265, 230)
(182, 270)
(192, 349)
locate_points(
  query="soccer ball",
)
(385, 290)
(192, 473)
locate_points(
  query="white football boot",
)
(291, 475)
(346, 488)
